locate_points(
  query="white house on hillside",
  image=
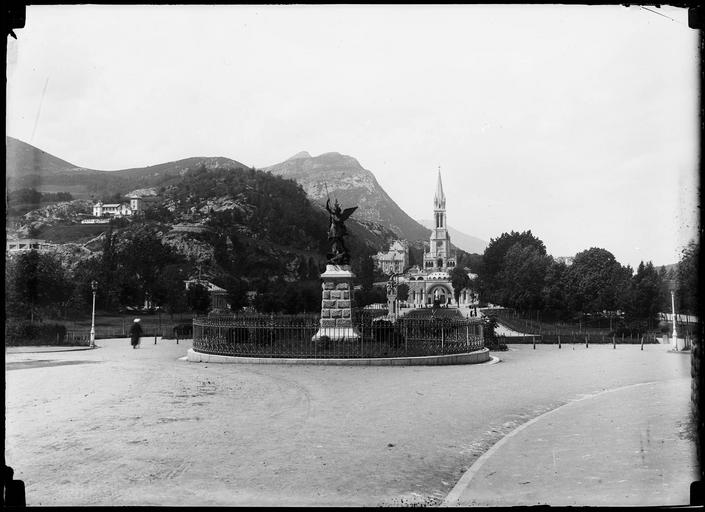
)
(124, 209)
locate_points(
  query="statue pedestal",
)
(336, 304)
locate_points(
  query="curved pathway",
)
(630, 446)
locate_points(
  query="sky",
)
(579, 123)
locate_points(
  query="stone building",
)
(395, 260)
(123, 209)
(432, 282)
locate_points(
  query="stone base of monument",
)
(336, 305)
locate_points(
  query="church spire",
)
(439, 201)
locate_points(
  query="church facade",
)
(432, 282)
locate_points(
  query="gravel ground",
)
(116, 426)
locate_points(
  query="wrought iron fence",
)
(298, 336)
(79, 338)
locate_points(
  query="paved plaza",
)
(575, 426)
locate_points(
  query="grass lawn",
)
(71, 233)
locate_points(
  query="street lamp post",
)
(94, 287)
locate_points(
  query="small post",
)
(586, 342)
(533, 339)
(614, 342)
(94, 288)
(177, 336)
(642, 343)
(155, 338)
(559, 341)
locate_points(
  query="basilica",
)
(431, 283)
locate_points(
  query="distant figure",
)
(135, 332)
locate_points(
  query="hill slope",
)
(30, 167)
(351, 184)
(220, 219)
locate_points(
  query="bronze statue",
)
(338, 254)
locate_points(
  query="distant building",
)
(218, 295)
(432, 282)
(439, 256)
(568, 260)
(395, 260)
(124, 209)
(27, 244)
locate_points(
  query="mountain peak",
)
(300, 154)
(334, 174)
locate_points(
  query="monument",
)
(336, 303)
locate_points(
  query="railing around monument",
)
(291, 336)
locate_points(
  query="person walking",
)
(135, 332)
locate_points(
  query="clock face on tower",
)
(439, 243)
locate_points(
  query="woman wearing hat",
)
(135, 332)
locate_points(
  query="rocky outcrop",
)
(341, 176)
(53, 214)
(191, 247)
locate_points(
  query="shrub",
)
(183, 330)
(26, 333)
(495, 344)
(385, 332)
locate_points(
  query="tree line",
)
(515, 271)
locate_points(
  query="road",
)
(116, 426)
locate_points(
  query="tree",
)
(522, 278)
(313, 271)
(459, 279)
(85, 272)
(236, 289)
(268, 302)
(595, 280)
(403, 292)
(310, 299)
(108, 274)
(553, 294)
(367, 267)
(646, 295)
(198, 298)
(375, 295)
(36, 285)
(687, 277)
(168, 289)
(493, 261)
(493, 256)
(24, 195)
(140, 257)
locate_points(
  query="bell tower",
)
(439, 256)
